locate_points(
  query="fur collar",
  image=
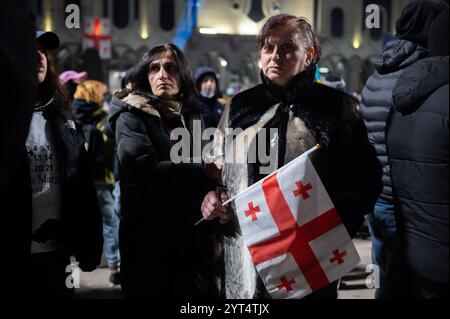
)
(297, 87)
(150, 104)
(138, 101)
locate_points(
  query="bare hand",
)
(212, 208)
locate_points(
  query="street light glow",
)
(223, 62)
(356, 41)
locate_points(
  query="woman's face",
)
(164, 77)
(42, 65)
(283, 56)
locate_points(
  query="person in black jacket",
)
(305, 113)
(160, 192)
(408, 48)
(66, 220)
(417, 144)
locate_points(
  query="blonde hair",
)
(90, 90)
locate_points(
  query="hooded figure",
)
(417, 145)
(207, 99)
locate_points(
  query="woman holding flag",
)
(304, 113)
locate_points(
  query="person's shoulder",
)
(249, 96)
(335, 102)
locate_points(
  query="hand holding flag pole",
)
(292, 230)
(223, 204)
(317, 146)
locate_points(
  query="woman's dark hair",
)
(289, 23)
(139, 80)
(51, 87)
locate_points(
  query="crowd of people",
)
(91, 172)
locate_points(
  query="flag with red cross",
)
(293, 232)
(97, 34)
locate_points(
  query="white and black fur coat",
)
(309, 113)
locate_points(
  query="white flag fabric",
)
(293, 232)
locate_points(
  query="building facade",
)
(218, 33)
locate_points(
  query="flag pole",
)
(317, 146)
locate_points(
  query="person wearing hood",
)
(300, 113)
(66, 220)
(417, 138)
(208, 94)
(404, 51)
(88, 112)
(161, 190)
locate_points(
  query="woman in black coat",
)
(161, 191)
(303, 113)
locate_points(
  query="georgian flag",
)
(97, 33)
(293, 232)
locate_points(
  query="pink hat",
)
(67, 76)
